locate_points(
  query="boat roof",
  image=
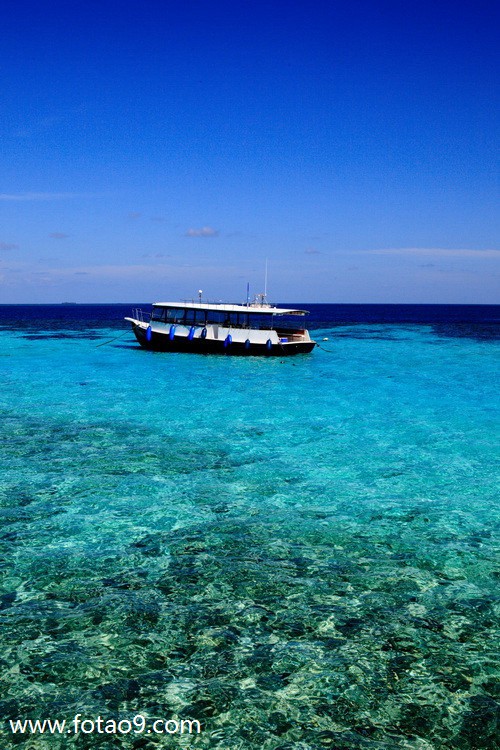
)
(220, 307)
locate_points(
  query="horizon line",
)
(400, 304)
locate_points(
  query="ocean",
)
(296, 554)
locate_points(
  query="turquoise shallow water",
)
(299, 553)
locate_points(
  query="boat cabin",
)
(227, 316)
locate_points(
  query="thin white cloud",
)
(34, 196)
(203, 232)
(104, 272)
(436, 252)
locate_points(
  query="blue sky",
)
(151, 149)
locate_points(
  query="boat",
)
(256, 328)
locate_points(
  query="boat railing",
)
(141, 315)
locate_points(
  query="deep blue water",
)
(300, 554)
(481, 321)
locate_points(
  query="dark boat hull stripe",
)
(162, 343)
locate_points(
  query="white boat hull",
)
(217, 339)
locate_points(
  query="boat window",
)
(288, 323)
(228, 319)
(193, 317)
(159, 314)
(217, 317)
(261, 321)
(175, 315)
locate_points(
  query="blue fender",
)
(149, 334)
(247, 344)
(191, 333)
(171, 333)
(203, 334)
(228, 341)
(269, 345)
